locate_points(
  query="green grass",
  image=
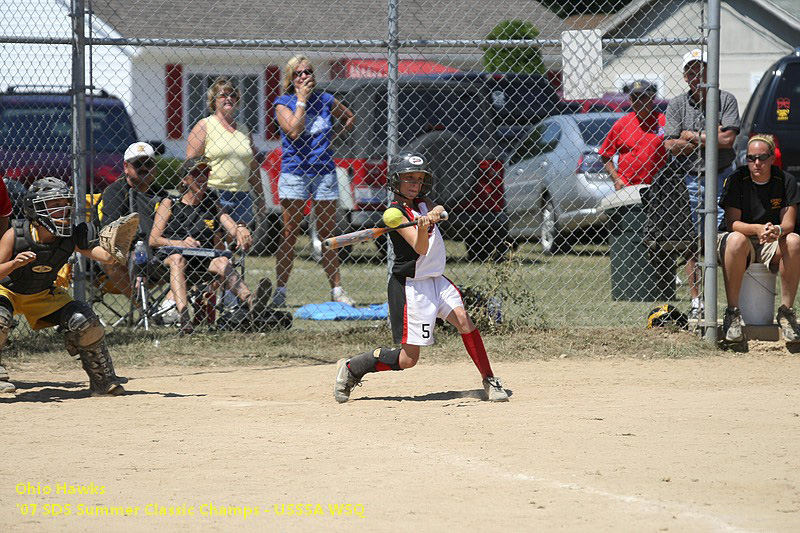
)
(551, 305)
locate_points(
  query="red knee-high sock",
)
(474, 345)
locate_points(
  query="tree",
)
(523, 59)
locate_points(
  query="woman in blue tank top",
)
(307, 118)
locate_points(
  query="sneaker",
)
(338, 295)
(345, 381)
(279, 297)
(168, 312)
(185, 324)
(696, 311)
(732, 325)
(788, 323)
(113, 389)
(263, 297)
(6, 386)
(3, 373)
(494, 389)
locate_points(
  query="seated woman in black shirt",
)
(760, 202)
(193, 220)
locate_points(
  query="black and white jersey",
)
(410, 264)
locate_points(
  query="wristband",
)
(302, 104)
(780, 230)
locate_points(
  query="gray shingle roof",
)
(317, 19)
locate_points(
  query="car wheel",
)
(487, 245)
(550, 236)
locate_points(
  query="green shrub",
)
(168, 173)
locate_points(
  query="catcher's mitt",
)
(116, 238)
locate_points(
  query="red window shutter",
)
(174, 85)
(272, 89)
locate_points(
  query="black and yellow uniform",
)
(201, 221)
(30, 290)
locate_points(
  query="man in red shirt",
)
(637, 138)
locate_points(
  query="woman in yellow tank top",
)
(230, 149)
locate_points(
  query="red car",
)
(610, 102)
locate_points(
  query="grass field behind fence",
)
(554, 305)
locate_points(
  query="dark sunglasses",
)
(307, 72)
(147, 164)
(757, 157)
(232, 96)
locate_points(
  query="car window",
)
(784, 110)
(594, 131)
(422, 110)
(543, 139)
(752, 107)
(522, 99)
(49, 128)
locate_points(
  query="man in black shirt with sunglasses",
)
(129, 194)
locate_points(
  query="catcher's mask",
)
(405, 163)
(667, 315)
(49, 203)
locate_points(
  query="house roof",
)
(649, 9)
(312, 19)
(788, 10)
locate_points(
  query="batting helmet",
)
(407, 162)
(56, 219)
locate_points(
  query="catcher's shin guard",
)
(84, 336)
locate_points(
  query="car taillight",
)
(488, 194)
(368, 180)
(778, 158)
(591, 165)
(105, 175)
(23, 174)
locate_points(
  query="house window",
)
(197, 86)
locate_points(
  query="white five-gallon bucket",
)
(757, 297)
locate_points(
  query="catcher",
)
(31, 253)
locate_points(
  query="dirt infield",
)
(702, 444)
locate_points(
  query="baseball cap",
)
(641, 86)
(193, 163)
(695, 55)
(139, 149)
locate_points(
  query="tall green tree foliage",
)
(523, 59)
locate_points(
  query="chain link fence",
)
(514, 105)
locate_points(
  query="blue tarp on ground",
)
(340, 311)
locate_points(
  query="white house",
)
(754, 34)
(164, 87)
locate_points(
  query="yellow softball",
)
(392, 217)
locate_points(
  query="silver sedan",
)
(555, 180)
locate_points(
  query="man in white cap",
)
(129, 194)
(685, 134)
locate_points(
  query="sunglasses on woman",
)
(758, 157)
(232, 96)
(307, 72)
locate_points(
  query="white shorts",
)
(414, 305)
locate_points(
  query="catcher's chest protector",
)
(41, 273)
